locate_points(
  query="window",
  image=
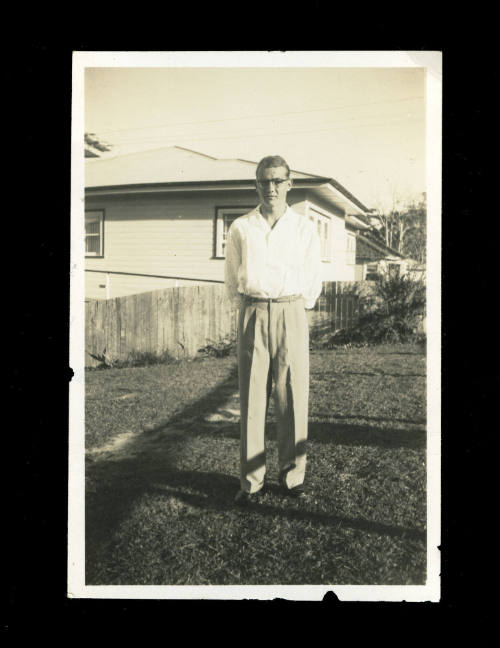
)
(223, 219)
(394, 270)
(322, 224)
(372, 272)
(94, 221)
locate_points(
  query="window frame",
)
(317, 215)
(350, 236)
(220, 212)
(100, 254)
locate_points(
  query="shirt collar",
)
(262, 221)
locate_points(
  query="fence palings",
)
(182, 320)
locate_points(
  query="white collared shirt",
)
(273, 262)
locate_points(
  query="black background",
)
(38, 84)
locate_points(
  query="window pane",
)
(93, 227)
(92, 245)
(93, 231)
(225, 219)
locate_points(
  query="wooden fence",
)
(180, 321)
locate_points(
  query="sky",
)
(364, 127)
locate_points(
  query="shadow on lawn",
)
(151, 470)
(339, 374)
(378, 419)
(366, 435)
(115, 483)
(204, 491)
(216, 493)
(346, 434)
(420, 352)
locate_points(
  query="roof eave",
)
(380, 247)
(323, 186)
(332, 195)
(202, 185)
(161, 187)
(353, 222)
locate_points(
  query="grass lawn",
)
(162, 471)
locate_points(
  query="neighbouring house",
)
(159, 218)
(374, 259)
(417, 271)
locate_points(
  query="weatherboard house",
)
(159, 218)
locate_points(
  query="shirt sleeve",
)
(232, 265)
(312, 270)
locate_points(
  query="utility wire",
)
(256, 129)
(297, 112)
(194, 138)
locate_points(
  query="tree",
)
(403, 226)
(413, 238)
(388, 216)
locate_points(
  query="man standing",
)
(273, 270)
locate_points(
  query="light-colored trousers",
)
(273, 344)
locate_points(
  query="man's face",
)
(273, 186)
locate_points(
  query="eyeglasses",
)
(276, 182)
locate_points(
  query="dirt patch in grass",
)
(137, 399)
(160, 507)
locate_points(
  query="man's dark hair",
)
(272, 161)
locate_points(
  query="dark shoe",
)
(296, 491)
(242, 497)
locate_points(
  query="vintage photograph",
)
(255, 325)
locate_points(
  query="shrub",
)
(394, 313)
(134, 359)
(219, 349)
(145, 359)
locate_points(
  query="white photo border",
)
(432, 62)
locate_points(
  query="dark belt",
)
(286, 298)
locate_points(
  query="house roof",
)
(369, 250)
(170, 164)
(175, 168)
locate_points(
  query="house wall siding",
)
(169, 234)
(122, 285)
(337, 269)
